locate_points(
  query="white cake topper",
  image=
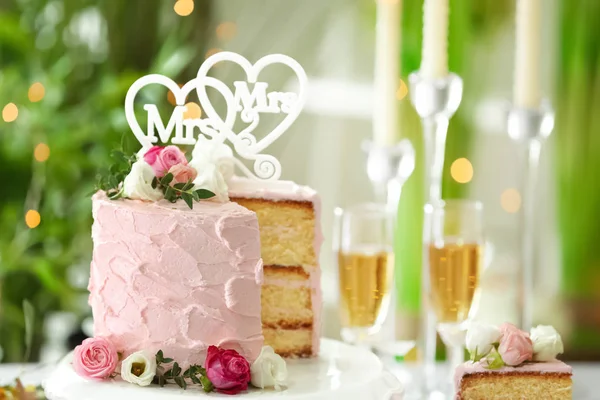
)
(250, 104)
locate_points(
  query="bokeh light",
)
(510, 200)
(36, 92)
(211, 52)
(226, 31)
(10, 112)
(32, 218)
(41, 152)
(461, 170)
(171, 96)
(193, 111)
(184, 7)
(402, 90)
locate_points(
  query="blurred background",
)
(65, 66)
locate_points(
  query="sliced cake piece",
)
(534, 381)
(290, 235)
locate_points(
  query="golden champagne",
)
(365, 280)
(454, 276)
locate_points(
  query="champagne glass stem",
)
(456, 356)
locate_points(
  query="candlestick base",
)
(388, 167)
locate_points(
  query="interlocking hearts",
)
(251, 104)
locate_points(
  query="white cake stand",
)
(340, 372)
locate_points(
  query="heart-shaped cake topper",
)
(248, 99)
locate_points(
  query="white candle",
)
(527, 93)
(434, 62)
(387, 55)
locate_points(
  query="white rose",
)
(138, 183)
(139, 368)
(547, 343)
(269, 370)
(480, 339)
(214, 163)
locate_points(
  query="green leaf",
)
(176, 369)
(159, 356)
(166, 179)
(189, 200)
(206, 384)
(169, 193)
(162, 381)
(167, 360)
(29, 314)
(154, 183)
(179, 380)
(188, 185)
(119, 156)
(195, 196)
(205, 194)
(195, 380)
(112, 181)
(495, 360)
(179, 185)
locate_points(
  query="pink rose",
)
(228, 371)
(95, 358)
(182, 173)
(161, 159)
(515, 346)
(508, 327)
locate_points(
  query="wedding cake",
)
(203, 280)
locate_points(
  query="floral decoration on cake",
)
(164, 172)
(507, 345)
(224, 370)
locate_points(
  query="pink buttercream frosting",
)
(288, 190)
(167, 277)
(551, 367)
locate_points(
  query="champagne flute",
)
(454, 247)
(363, 243)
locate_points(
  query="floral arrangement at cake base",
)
(224, 370)
(495, 347)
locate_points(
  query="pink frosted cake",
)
(167, 277)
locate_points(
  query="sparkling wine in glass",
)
(454, 250)
(363, 242)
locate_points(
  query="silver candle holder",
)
(436, 101)
(388, 168)
(529, 128)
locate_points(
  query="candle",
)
(387, 55)
(527, 93)
(434, 63)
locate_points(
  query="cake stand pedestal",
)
(340, 372)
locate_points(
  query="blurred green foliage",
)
(86, 53)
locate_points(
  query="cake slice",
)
(290, 235)
(535, 381)
(508, 363)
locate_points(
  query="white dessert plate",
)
(340, 372)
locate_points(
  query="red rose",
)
(228, 371)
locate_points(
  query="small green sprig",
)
(110, 180)
(180, 190)
(196, 374)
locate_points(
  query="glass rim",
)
(454, 203)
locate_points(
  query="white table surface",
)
(586, 376)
